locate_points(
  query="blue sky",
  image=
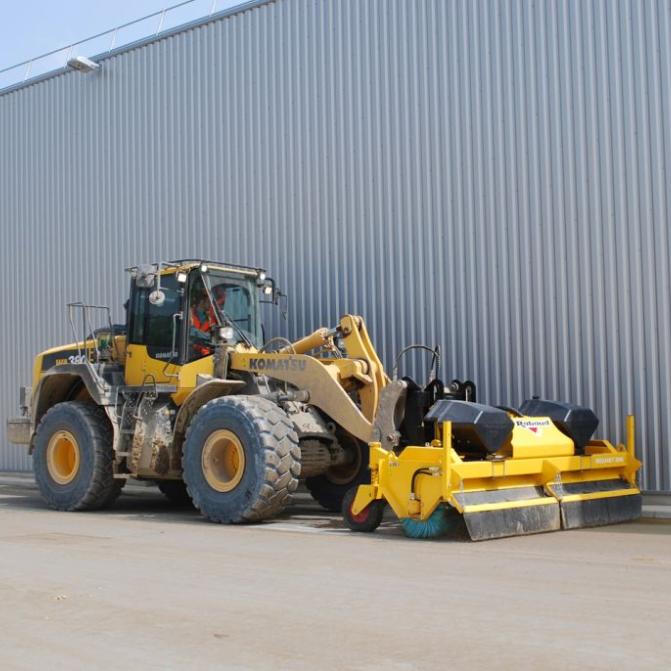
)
(32, 27)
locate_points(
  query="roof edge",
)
(171, 32)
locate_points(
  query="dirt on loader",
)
(151, 586)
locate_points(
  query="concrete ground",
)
(148, 586)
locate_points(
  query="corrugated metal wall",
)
(491, 176)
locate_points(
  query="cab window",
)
(152, 325)
(201, 321)
(238, 305)
(233, 299)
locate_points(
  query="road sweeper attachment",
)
(506, 472)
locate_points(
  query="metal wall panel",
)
(491, 176)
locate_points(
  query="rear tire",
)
(114, 493)
(329, 489)
(73, 458)
(368, 519)
(175, 491)
(241, 459)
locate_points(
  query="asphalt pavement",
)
(149, 586)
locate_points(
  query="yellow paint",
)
(505, 505)
(223, 460)
(142, 369)
(359, 346)
(318, 338)
(85, 347)
(37, 370)
(318, 377)
(451, 475)
(539, 437)
(63, 457)
(591, 496)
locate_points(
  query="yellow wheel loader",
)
(186, 394)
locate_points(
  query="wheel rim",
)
(343, 475)
(223, 460)
(63, 457)
(362, 517)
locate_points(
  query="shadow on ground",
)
(143, 503)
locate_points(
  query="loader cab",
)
(172, 314)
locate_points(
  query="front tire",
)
(368, 519)
(241, 459)
(73, 458)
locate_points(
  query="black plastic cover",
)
(474, 426)
(577, 422)
(596, 512)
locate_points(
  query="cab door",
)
(154, 350)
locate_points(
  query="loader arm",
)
(320, 381)
(359, 346)
(325, 379)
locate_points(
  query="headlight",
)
(268, 289)
(203, 268)
(262, 276)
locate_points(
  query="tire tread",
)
(103, 488)
(281, 456)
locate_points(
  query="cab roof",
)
(189, 264)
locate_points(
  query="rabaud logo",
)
(277, 364)
(534, 425)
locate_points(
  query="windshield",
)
(235, 300)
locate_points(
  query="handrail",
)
(88, 333)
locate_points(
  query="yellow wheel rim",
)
(223, 460)
(63, 457)
(345, 473)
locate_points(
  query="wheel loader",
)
(188, 395)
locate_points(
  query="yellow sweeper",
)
(506, 472)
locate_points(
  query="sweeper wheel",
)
(368, 519)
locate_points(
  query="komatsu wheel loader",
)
(187, 394)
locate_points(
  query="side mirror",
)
(271, 294)
(269, 291)
(157, 297)
(148, 277)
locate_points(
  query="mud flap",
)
(597, 503)
(516, 511)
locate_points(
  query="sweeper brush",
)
(506, 472)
